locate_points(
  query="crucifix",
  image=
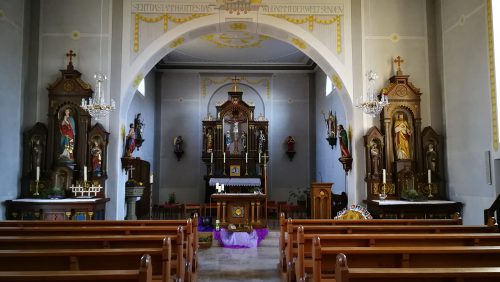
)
(70, 55)
(130, 170)
(399, 61)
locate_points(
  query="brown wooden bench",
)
(143, 274)
(324, 258)
(343, 273)
(177, 257)
(94, 228)
(369, 228)
(300, 259)
(86, 259)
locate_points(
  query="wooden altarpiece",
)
(34, 155)
(234, 143)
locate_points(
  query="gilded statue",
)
(402, 137)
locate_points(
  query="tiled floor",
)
(224, 264)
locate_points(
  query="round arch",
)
(266, 25)
(246, 85)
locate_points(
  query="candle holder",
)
(86, 187)
(382, 195)
(246, 169)
(429, 187)
(36, 188)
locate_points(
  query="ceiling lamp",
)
(97, 106)
(372, 106)
(239, 6)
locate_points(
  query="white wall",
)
(466, 92)
(12, 30)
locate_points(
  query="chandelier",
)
(372, 106)
(96, 106)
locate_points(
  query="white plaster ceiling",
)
(236, 48)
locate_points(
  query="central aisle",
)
(224, 264)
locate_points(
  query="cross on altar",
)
(399, 61)
(130, 170)
(70, 55)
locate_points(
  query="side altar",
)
(403, 161)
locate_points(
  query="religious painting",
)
(402, 135)
(234, 170)
(235, 133)
(67, 137)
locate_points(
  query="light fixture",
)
(372, 106)
(97, 106)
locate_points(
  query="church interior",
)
(231, 113)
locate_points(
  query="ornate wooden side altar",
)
(241, 209)
(57, 209)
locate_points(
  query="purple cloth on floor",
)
(206, 228)
(237, 240)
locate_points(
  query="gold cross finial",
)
(70, 55)
(236, 81)
(399, 61)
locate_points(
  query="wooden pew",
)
(391, 227)
(143, 274)
(284, 223)
(86, 259)
(300, 258)
(443, 274)
(190, 226)
(115, 228)
(402, 257)
(176, 266)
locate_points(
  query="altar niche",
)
(234, 143)
(408, 154)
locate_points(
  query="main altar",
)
(235, 153)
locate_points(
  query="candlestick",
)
(84, 173)
(37, 173)
(259, 157)
(383, 176)
(429, 176)
(151, 178)
(212, 157)
(246, 157)
(224, 157)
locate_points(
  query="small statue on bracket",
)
(130, 142)
(345, 158)
(178, 147)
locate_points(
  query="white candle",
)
(383, 176)
(37, 173)
(224, 157)
(259, 157)
(151, 178)
(429, 176)
(222, 188)
(246, 157)
(84, 173)
(212, 157)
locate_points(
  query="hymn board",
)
(235, 151)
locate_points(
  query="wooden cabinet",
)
(60, 209)
(321, 200)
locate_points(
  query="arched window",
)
(329, 86)
(142, 88)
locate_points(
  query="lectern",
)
(321, 199)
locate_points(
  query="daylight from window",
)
(329, 86)
(142, 88)
(495, 14)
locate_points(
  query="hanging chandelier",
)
(372, 106)
(97, 106)
(239, 6)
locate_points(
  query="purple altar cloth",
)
(237, 240)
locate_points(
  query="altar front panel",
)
(241, 209)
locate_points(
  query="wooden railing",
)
(493, 211)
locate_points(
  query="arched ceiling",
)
(237, 50)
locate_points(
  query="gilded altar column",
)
(252, 219)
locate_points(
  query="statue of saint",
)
(210, 140)
(244, 141)
(402, 137)
(375, 157)
(261, 138)
(227, 141)
(36, 153)
(96, 155)
(431, 158)
(290, 144)
(178, 144)
(331, 125)
(344, 142)
(130, 141)
(68, 133)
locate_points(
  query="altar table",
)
(241, 209)
(56, 209)
(406, 209)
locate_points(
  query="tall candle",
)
(224, 157)
(246, 157)
(259, 157)
(37, 173)
(429, 176)
(212, 157)
(383, 176)
(84, 173)
(151, 178)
